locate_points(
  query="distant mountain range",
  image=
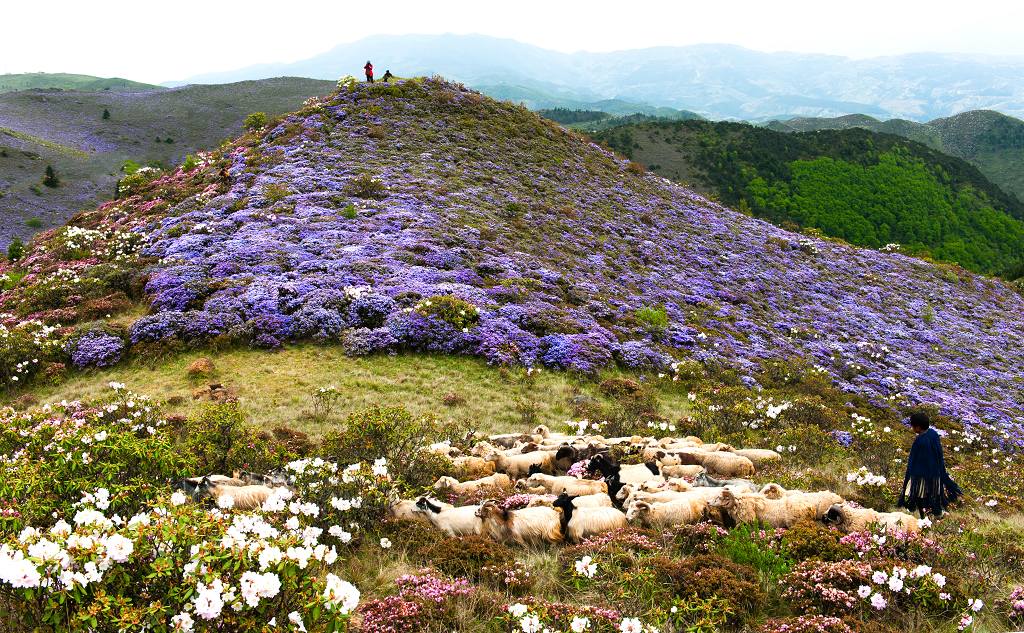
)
(991, 141)
(716, 81)
(66, 81)
(66, 129)
(868, 188)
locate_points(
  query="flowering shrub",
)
(423, 600)
(219, 440)
(904, 588)
(119, 444)
(825, 587)
(806, 624)
(466, 556)
(208, 569)
(25, 349)
(535, 616)
(95, 348)
(1015, 604)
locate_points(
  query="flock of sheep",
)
(680, 481)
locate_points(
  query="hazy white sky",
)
(162, 41)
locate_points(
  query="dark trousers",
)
(369, 78)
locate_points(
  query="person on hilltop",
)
(927, 486)
(387, 76)
(369, 71)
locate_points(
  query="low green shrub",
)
(707, 576)
(367, 187)
(654, 319)
(811, 540)
(457, 312)
(395, 435)
(255, 121)
(219, 440)
(465, 556)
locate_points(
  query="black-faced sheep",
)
(407, 510)
(579, 523)
(684, 510)
(850, 519)
(627, 474)
(462, 521)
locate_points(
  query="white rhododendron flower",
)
(340, 594)
(182, 622)
(178, 498)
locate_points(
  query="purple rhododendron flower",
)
(96, 349)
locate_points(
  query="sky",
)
(165, 41)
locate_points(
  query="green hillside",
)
(67, 81)
(991, 141)
(69, 131)
(866, 188)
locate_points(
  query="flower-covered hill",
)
(424, 216)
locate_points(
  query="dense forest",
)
(866, 188)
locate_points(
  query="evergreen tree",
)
(15, 250)
(106, 114)
(51, 179)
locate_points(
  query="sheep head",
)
(835, 515)
(638, 510)
(443, 483)
(773, 491)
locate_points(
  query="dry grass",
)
(276, 388)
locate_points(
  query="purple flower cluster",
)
(95, 348)
(559, 246)
(843, 438)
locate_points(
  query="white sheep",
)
(462, 521)
(758, 456)
(245, 497)
(569, 485)
(684, 510)
(682, 470)
(406, 510)
(850, 519)
(472, 467)
(497, 481)
(725, 464)
(780, 513)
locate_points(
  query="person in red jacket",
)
(369, 71)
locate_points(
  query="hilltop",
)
(67, 129)
(868, 188)
(426, 217)
(68, 81)
(991, 141)
(717, 81)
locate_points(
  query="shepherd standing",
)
(927, 486)
(369, 71)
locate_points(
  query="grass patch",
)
(276, 388)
